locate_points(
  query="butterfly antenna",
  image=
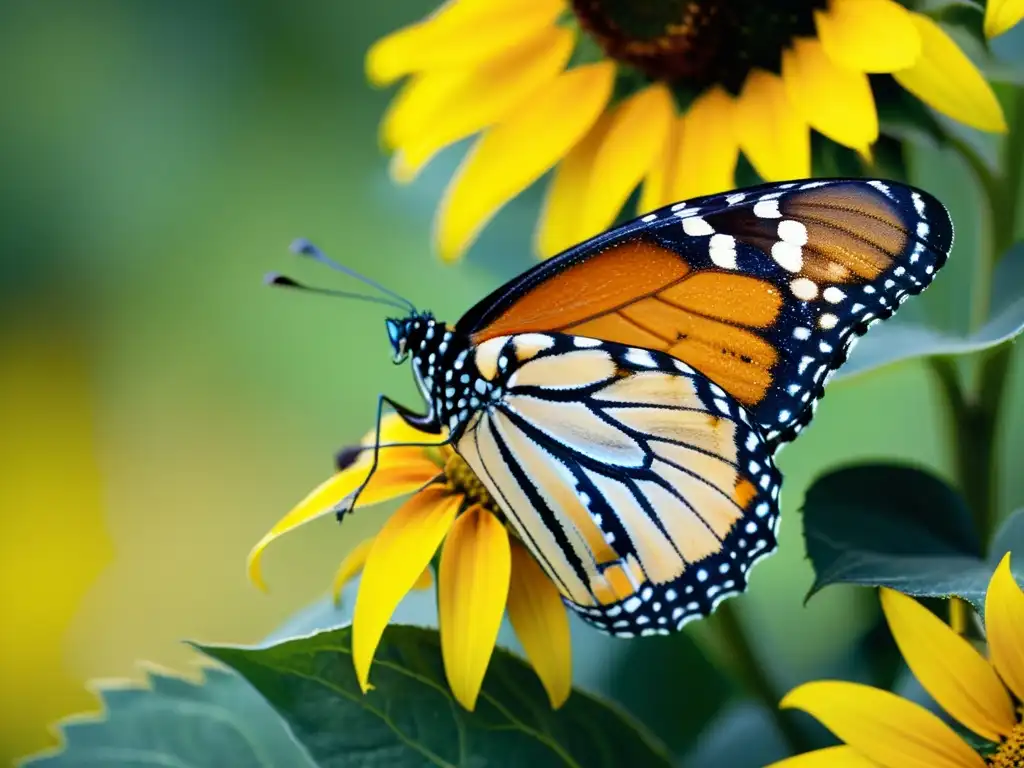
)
(303, 247)
(282, 281)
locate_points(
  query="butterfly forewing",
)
(639, 485)
(761, 290)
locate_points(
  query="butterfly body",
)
(622, 402)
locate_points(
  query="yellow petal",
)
(388, 482)
(945, 79)
(538, 616)
(949, 668)
(772, 134)
(637, 132)
(516, 152)
(463, 34)
(708, 149)
(1004, 622)
(1001, 15)
(559, 225)
(350, 566)
(868, 35)
(657, 188)
(353, 564)
(472, 99)
(417, 100)
(883, 727)
(835, 101)
(400, 553)
(833, 757)
(473, 587)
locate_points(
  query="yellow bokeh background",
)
(53, 538)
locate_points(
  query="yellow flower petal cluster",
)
(502, 69)
(881, 729)
(483, 572)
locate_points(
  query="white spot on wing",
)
(804, 288)
(833, 295)
(767, 209)
(722, 249)
(918, 203)
(641, 357)
(793, 231)
(789, 256)
(695, 226)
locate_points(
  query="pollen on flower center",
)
(697, 43)
(1011, 752)
(461, 479)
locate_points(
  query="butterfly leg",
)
(424, 423)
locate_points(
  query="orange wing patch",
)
(702, 320)
(739, 360)
(593, 288)
(731, 298)
(642, 294)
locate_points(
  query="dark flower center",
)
(462, 479)
(1011, 752)
(697, 43)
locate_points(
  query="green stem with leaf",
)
(976, 411)
(750, 670)
(975, 414)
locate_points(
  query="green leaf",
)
(1009, 538)
(219, 722)
(900, 527)
(645, 679)
(641, 675)
(410, 717)
(593, 652)
(901, 340)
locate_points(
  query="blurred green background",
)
(160, 408)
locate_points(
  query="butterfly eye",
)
(396, 333)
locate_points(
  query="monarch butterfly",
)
(622, 402)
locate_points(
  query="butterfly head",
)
(410, 334)
(398, 334)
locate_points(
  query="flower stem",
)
(751, 673)
(973, 435)
(976, 414)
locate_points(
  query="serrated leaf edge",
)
(99, 685)
(645, 735)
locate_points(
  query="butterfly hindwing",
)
(638, 484)
(762, 290)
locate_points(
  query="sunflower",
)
(663, 93)
(483, 571)
(881, 729)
